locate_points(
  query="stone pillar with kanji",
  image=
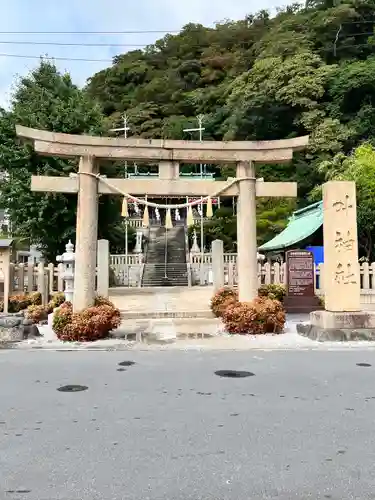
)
(341, 267)
(343, 318)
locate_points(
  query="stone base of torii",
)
(89, 185)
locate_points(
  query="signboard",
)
(214, 201)
(300, 273)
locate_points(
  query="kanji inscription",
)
(344, 274)
(343, 205)
(341, 269)
(343, 241)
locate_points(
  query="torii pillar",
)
(86, 234)
(168, 154)
(247, 262)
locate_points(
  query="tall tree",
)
(48, 100)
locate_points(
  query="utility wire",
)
(133, 32)
(84, 44)
(78, 44)
(24, 56)
(83, 59)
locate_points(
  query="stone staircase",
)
(166, 258)
(165, 309)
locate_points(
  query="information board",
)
(300, 273)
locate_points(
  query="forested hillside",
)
(305, 71)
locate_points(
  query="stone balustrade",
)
(202, 273)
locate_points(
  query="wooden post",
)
(11, 278)
(41, 282)
(5, 274)
(51, 278)
(21, 277)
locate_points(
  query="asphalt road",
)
(168, 428)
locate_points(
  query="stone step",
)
(162, 274)
(204, 313)
(162, 278)
(161, 330)
(170, 271)
(164, 284)
(159, 276)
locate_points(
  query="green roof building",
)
(304, 228)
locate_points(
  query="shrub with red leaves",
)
(91, 324)
(223, 298)
(17, 303)
(258, 317)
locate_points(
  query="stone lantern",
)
(260, 257)
(195, 248)
(138, 241)
(68, 259)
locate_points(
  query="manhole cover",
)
(234, 373)
(364, 364)
(72, 388)
(127, 363)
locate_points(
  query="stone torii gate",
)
(169, 154)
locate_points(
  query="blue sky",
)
(99, 15)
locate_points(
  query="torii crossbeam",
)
(168, 154)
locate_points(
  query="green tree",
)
(48, 100)
(359, 167)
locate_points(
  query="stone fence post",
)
(103, 268)
(218, 264)
(41, 281)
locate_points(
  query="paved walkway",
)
(162, 299)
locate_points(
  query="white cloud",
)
(99, 15)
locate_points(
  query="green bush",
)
(274, 291)
(62, 318)
(56, 300)
(35, 298)
(19, 302)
